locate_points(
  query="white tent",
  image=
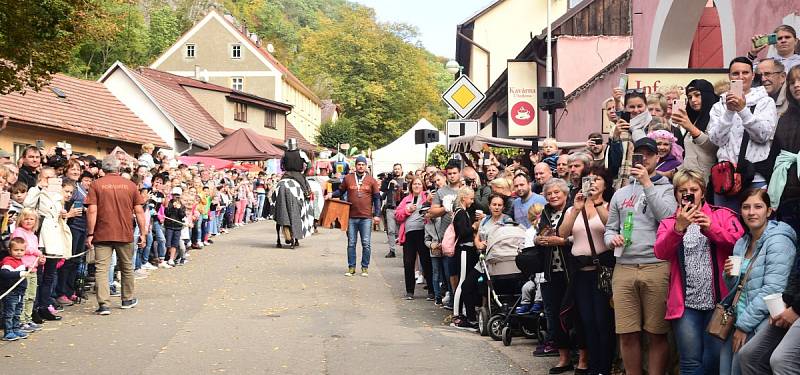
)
(403, 150)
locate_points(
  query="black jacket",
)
(29, 176)
(176, 214)
(292, 161)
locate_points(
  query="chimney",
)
(254, 38)
(197, 72)
(204, 77)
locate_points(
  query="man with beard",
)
(578, 168)
(525, 199)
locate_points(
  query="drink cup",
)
(736, 270)
(618, 251)
(775, 304)
(478, 212)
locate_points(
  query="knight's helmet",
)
(291, 144)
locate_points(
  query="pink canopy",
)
(217, 163)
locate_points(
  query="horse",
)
(294, 214)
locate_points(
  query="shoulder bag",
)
(731, 179)
(724, 316)
(604, 273)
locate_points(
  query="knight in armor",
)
(294, 163)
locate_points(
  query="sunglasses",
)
(635, 91)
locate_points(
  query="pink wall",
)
(584, 111)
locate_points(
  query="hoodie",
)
(650, 206)
(758, 118)
(771, 268)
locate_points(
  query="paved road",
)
(242, 306)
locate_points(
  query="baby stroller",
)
(504, 280)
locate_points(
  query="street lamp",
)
(452, 67)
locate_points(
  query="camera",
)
(59, 160)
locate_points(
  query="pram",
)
(504, 280)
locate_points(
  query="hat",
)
(291, 144)
(177, 191)
(5, 154)
(361, 159)
(646, 142)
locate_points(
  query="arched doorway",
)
(675, 27)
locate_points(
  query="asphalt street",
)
(243, 306)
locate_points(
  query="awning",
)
(474, 143)
(217, 163)
(243, 144)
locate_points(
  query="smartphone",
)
(687, 199)
(5, 200)
(766, 39)
(54, 184)
(597, 141)
(737, 88)
(586, 185)
(623, 81)
(678, 104)
(40, 143)
(637, 159)
(77, 204)
(622, 115)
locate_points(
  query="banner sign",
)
(522, 86)
(653, 79)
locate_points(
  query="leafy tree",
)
(332, 134)
(37, 39)
(439, 156)
(165, 28)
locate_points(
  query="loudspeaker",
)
(425, 136)
(550, 98)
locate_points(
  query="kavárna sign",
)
(522, 84)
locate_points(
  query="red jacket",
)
(723, 233)
(401, 214)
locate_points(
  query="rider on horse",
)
(294, 164)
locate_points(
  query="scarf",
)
(778, 181)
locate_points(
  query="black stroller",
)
(504, 280)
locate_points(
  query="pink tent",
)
(217, 163)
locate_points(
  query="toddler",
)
(550, 153)
(27, 222)
(11, 271)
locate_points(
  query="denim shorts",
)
(173, 238)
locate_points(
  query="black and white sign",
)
(460, 128)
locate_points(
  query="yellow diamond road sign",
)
(463, 96)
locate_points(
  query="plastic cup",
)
(736, 260)
(775, 304)
(618, 251)
(479, 212)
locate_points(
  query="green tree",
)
(165, 28)
(37, 39)
(438, 156)
(332, 134)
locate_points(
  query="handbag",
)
(723, 318)
(730, 179)
(604, 273)
(449, 240)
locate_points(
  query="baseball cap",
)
(361, 159)
(647, 143)
(177, 191)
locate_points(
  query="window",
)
(240, 113)
(270, 120)
(236, 51)
(237, 83)
(190, 51)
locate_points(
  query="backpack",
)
(449, 239)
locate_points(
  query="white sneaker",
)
(446, 299)
(171, 263)
(206, 243)
(420, 279)
(164, 265)
(148, 266)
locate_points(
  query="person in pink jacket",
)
(27, 222)
(411, 234)
(696, 240)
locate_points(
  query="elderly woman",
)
(556, 253)
(670, 154)
(696, 240)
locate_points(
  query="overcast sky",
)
(436, 19)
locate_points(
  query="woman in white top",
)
(594, 309)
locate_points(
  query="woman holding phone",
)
(411, 235)
(700, 153)
(696, 240)
(768, 247)
(785, 40)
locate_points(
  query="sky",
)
(436, 19)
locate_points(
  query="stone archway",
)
(674, 26)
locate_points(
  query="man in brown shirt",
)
(111, 203)
(364, 194)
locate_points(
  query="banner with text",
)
(522, 86)
(653, 79)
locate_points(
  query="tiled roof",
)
(181, 106)
(88, 108)
(302, 142)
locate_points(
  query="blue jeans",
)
(355, 226)
(158, 238)
(260, 207)
(438, 277)
(728, 360)
(137, 256)
(12, 309)
(699, 351)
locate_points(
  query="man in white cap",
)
(294, 164)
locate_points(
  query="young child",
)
(174, 215)
(11, 271)
(550, 153)
(27, 222)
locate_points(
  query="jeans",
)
(552, 294)
(699, 351)
(144, 253)
(262, 197)
(391, 229)
(414, 245)
(213, 227)
(112, 267)
(730, 362)
(597, 318)
(772, 350)
(438, 277)
(158, 238)
(364, 227)
(12, 309)
(69, 270)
